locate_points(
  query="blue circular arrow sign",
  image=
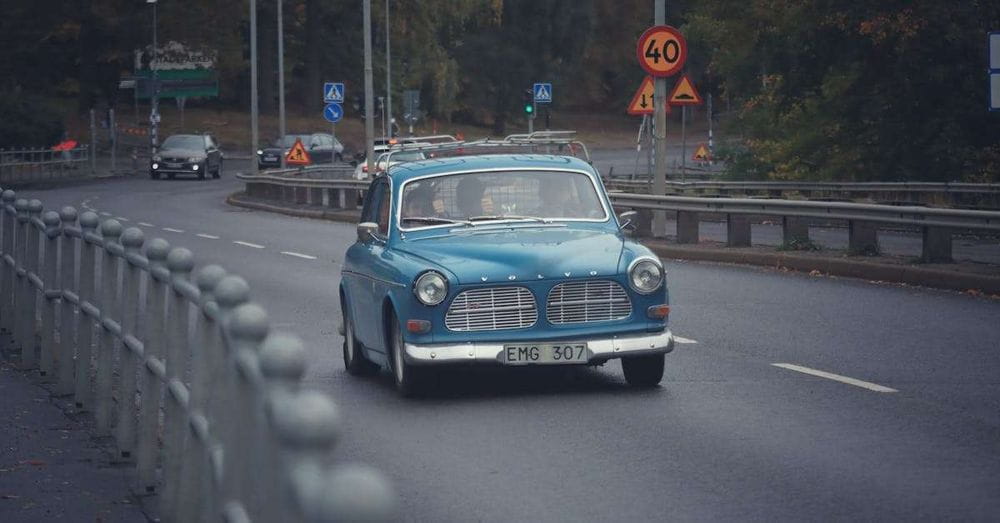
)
(333, 112)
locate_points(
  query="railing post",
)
(130, 350)
(862, 237)
(111, 230)
(794, 230)
(20, 276)
(737, 230)
(88, 313)
(68, 299)
(206, 355)
(248, 326)
(687, 227)
(306, 426)
(154, 338)
(50, 294)
(32, 232)
(282, 366)
(180, 262)
(7, 263)
(936, 245)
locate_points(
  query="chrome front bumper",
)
(599, 349)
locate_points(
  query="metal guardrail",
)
(119, 322)
(34, 165)
(863, 220)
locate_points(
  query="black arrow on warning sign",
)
(643, 104)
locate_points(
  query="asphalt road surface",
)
(906, 426)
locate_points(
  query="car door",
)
(363, 258)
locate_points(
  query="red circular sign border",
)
(639, 51)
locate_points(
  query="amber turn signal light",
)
(418, 326)
(658, 312)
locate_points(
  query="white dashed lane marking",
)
(207, 236)
(248, 244)
(170, 229)
(679, 339)
(299, 255)
(144, 224)
(121, 218)
(104, 213)
(835, 377)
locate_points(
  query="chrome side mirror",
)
(625, 220)
(367, 231)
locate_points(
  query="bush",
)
(27, 121)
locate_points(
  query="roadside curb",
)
(240, 199)
(845, 267)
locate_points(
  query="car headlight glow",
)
(156, 165)
(645, 275)
(260, 151)
(194, 167)
(431, 288)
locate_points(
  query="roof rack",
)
(532, 140)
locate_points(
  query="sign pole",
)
(660, 126)
(333, 154)
(683, 141)
(369, 90)
(281, 80)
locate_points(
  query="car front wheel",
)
(218, 171)
(410, 380)
(354, 358)
(643, 371)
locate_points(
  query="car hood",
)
(181, 153)
(480, 255)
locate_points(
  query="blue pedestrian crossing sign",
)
(543, 93)
(333, 93)
(333, 112)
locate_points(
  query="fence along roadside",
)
(236, 437)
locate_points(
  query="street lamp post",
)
(254, 138)
(388, 75)
(154, 112)
(281, 80)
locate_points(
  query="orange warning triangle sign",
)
(702, 154)
(642, 101)
(297, 155)
(684, 93)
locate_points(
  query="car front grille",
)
(490, 309)
(586, 302)
(174, 160)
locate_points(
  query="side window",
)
(369, 212)
(383, 210)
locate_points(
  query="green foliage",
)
(27, 121)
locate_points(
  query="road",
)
(729, 435)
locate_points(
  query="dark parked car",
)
(322, 148)
(196, 154)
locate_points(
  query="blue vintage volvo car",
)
(502, 259)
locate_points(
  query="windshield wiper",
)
(435, 219)
(509, 217)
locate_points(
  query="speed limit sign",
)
(662, 50)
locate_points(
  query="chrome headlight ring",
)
(645, 274)
(430, 288)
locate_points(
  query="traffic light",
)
(528, 97)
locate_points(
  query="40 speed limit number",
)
(661, 50)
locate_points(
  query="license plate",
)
(173, 166)
(270, 158)
(544, 353)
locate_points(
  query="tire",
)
(202, 173)
(410, 380)
(643, 371)
(218, 171)
(154, 175)
(354, 357)
(170, 176)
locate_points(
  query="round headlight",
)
(260, 151)
(431, 288)
(645, 275)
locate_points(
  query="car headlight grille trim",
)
(587, 302)
(492, 308)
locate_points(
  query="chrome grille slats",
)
(587, 301)
(492, 308)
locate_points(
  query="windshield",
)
(184, 141)
(289, 140)
(473, 197)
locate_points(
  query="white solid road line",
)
(144, 224)
(121, 218)
(299, 255)
(835, 377)
(248, 244)
(170, 229)
(679, 339)
(104, 213)
(208, 236)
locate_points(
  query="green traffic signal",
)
(529, 108)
